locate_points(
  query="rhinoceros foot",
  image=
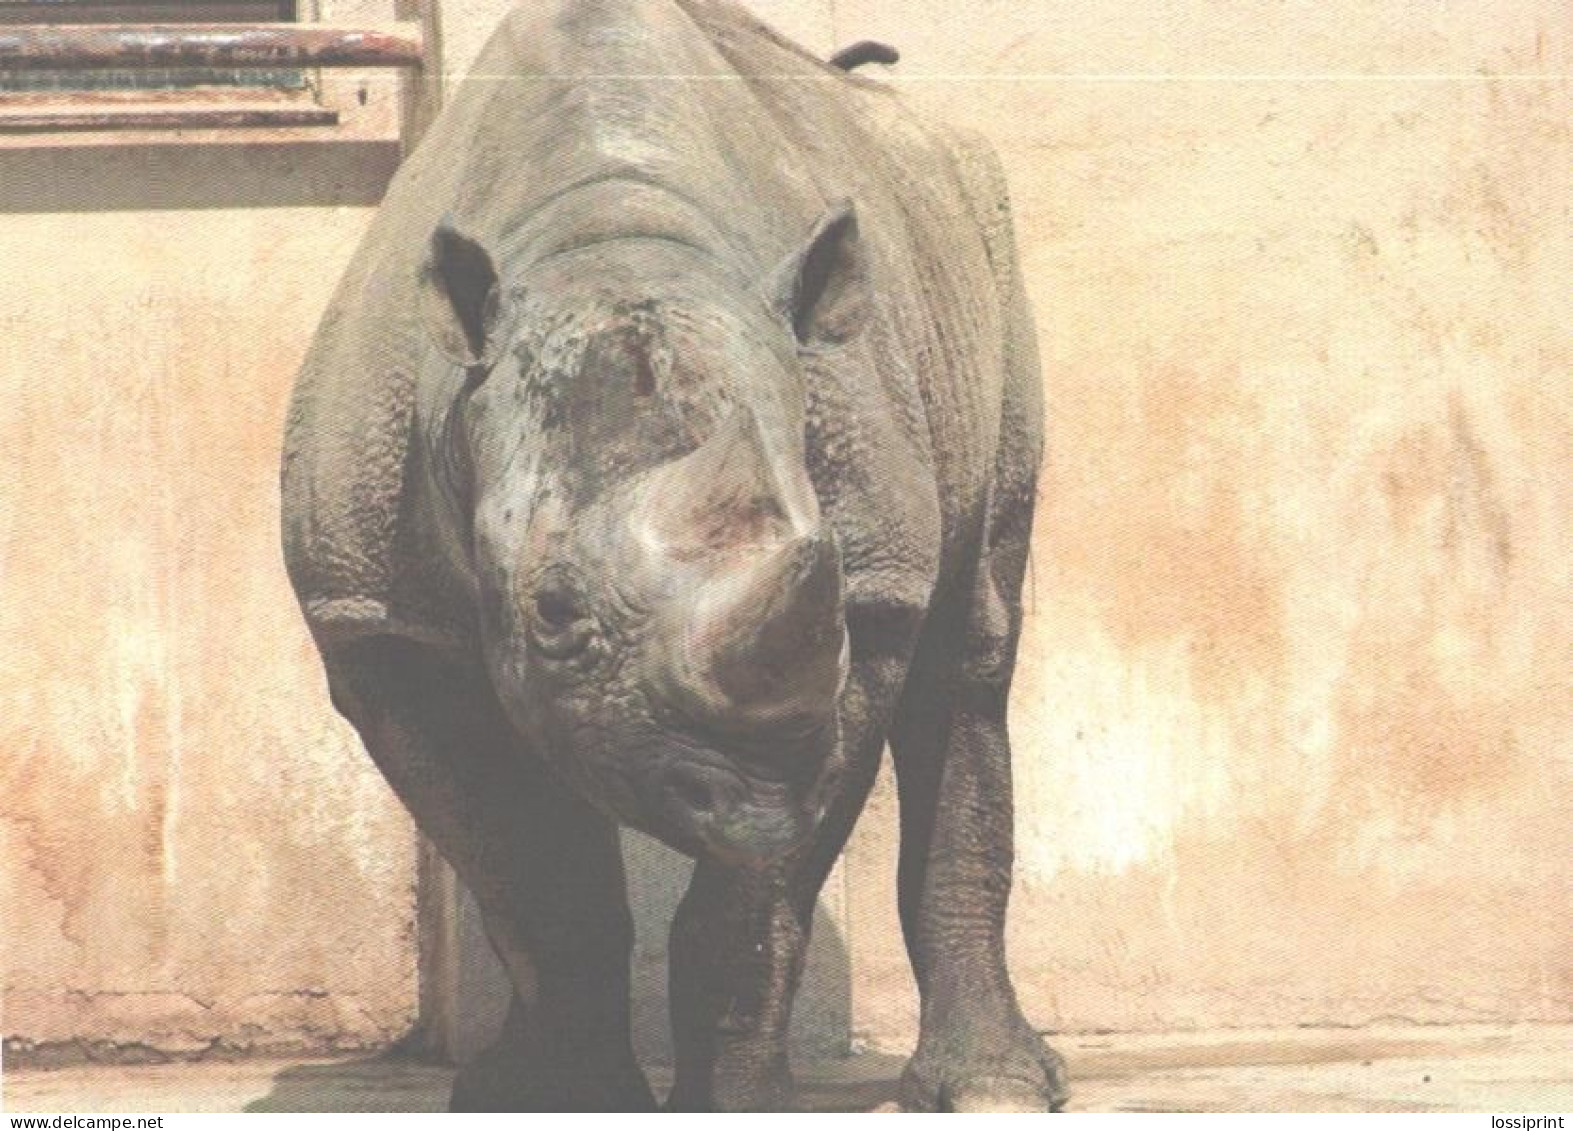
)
(984, 1065)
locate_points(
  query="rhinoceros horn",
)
(757, 638)
(729, 497)
(773, 639)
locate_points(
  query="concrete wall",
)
(1293, 731)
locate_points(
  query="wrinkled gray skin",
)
(713, 467)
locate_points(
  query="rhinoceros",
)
(669, 448)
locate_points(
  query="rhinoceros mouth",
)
(724, 813)
(744, 830)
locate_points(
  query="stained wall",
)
(195, 857)
(1294, 735)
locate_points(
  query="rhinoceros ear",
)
(460, 297)
(822, 290)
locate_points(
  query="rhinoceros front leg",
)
(544, 868)
(739, 940)
(737, 949)
(976, 1050)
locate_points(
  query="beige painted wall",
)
(1294, 729)
(194, 850)
(1293, 725)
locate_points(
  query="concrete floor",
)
(1456, 1068)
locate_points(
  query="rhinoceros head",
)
(659, 597)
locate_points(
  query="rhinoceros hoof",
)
(1025, 1075)
(997, 1094)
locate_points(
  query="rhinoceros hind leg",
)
(545, 869)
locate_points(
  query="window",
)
(91, 99)
(95, 65)
(77, 12)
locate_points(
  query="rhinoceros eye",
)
(560, 627)
(555, 609)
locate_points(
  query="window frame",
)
(313, 79)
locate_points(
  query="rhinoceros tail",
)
(866, 51)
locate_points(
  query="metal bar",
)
(48, 47)
(143, 12)
(53, 6)
(166, 118)
(62, 11)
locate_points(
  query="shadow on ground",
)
(375, 1083)
(396, 1084)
